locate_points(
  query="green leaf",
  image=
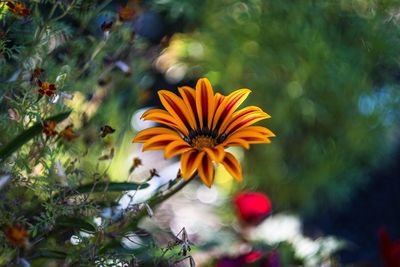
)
(108, 187)
(27, 135)
(50, 254)
(76, 223)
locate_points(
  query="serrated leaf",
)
(27, 135)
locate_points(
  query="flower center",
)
(45, 86)
(201, 141)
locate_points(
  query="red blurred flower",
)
(390, 250)
(241, 260)
(252, 207)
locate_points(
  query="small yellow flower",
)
(201, 125)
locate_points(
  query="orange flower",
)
(17, 235)
(126, 13)
(68, 133)
(202, 125)
(49, 128)
(36, 73)
(46, 88)
(18, 8)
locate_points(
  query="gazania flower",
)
(18, 8)
(201, 125)
(46, 88)
(16, 235)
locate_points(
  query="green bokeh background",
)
(327, 72)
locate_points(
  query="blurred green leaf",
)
(77, 223)
(108, 187)
(27, 135)
(49, 253)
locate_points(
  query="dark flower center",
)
(202, 138)
(201, 142)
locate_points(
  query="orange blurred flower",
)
(16, 235)
(18, 8)
(46, 88)
(36, 73)
(68, 133)
(126, 13)
(203, 125)
(49, 128)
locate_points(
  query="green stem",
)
(162, 197)
(153, 202)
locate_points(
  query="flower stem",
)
(160, 198)
(152, 202)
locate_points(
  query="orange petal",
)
(190, 160)
(228, 106)
(160, 141)
(232, 166)
(176, 107)
(243, 112)
(175, 148)
(204, 102)
(248, 110)
(248, 141)
(236, 142)
(249, 135)
(145, 135)
(189, 98)
(206, 171)
(163, 117)
(252, 131)
(246, 120)
(216, 154)
(265, 131)
(218, 98)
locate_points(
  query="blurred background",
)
(326, 71)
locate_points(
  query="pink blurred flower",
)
(271, 259)
(240, 261)
(252, 207)
(390, 250)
